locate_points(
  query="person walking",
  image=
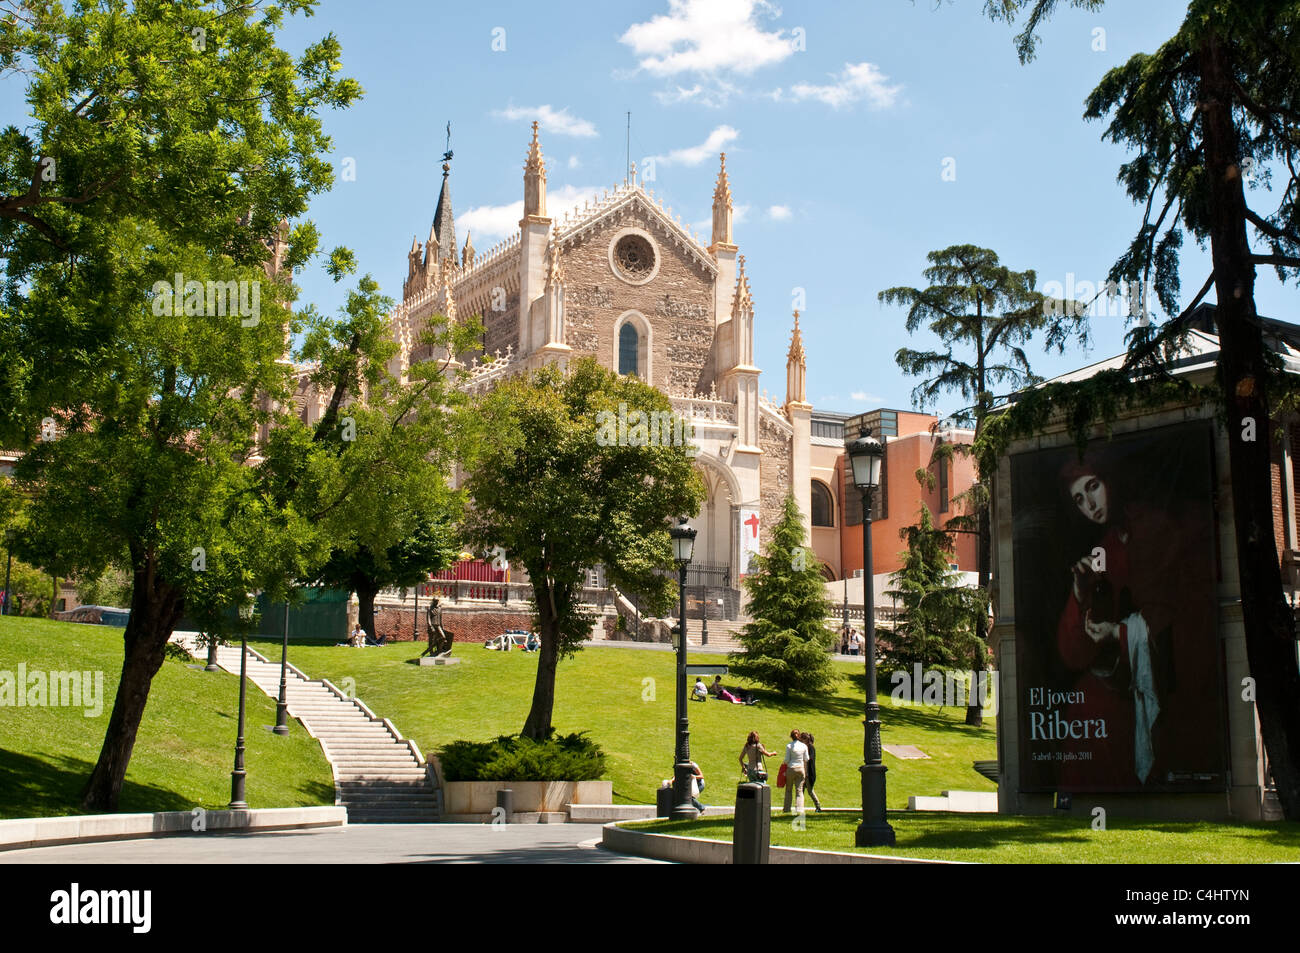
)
(697, 786)
(811, 774)
(796, 766)
(751, 759)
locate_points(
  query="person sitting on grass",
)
(699, 693)
(741, 697)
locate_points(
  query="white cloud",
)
(863, 396)
(855, 82)
(557, 122)
(498, 221)
(707, 36)
(779, 213)
(708, 149)
(715, 95)
(574, 162)
(738, 214)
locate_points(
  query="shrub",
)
(512, 758)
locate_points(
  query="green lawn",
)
(623, 698)
(183, 753)
(985, 838)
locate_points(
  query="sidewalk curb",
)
(24, 832)
(697, 850)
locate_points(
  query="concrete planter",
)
(480, 797)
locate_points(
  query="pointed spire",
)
(535, 179)
(743, 300)
(797, 352)
(444, 225)
(722, 206)
(415, 245)
(796, 368)
(467, 253)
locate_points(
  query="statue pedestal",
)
(439, 661)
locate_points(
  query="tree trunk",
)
(974, 704)
(155, 607)
(54, 596)
(366, 592)
(1268, 621)
(538, 723)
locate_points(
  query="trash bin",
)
(752, 830)
(505, 805)
(664, 802)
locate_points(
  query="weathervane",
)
(446, 156)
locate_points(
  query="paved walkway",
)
(359, 844)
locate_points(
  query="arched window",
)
(629, 348)
(823, 508)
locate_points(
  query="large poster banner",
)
(1118, 659)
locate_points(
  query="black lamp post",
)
(683, 537)
(239, 775)
(9, 561)
(704, 622)
(865, 456)
(282, 705)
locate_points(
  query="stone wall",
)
(774, 476)
(501, 328)
(466, 624)
(678, 303)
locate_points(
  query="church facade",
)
(623, 281)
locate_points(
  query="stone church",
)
(624, 281)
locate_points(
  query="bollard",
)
(751, 831)
(664, 802)
(506, 804)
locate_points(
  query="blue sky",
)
(837, 119)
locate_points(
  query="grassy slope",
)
(601, 691)
(1032, 840)
(183, 753)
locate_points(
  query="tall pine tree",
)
(786, 644)
(938, 619)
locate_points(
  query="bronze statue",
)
(440, 640)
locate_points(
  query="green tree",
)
(557, 487)
(30, 589)
(1212, 111)
(939, 617)
(983, 313)
(392, 522)
(112, 587)
(163, 138)
(786, 644)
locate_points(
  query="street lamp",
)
(9, 561)
(704, 622)
(683, 537)
(865, 456)
(282, 705)
(239, 775)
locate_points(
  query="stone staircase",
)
(379, 776)
(722, 633)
